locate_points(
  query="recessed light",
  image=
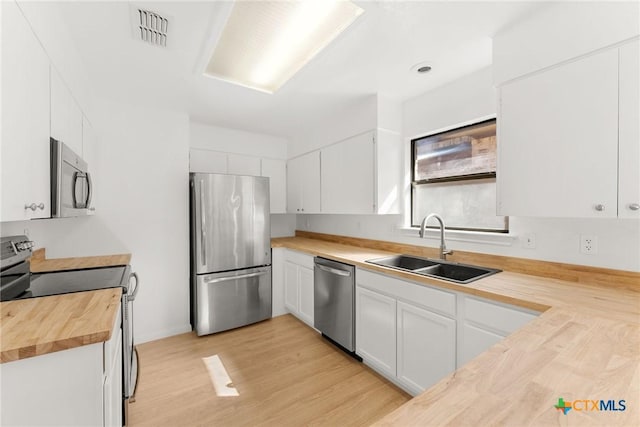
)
(264, 43)
(424, 69)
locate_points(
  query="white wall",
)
(209, 137)
(464, 100)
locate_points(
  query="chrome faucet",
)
(443, 247)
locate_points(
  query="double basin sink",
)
(440, 269)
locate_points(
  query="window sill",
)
(487, 238)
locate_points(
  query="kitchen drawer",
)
(417, 294)
(299, 258)
(495, 316)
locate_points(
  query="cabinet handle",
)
(634, 206)
(33, 206)
(599, 208)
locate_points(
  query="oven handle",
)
(132, 297)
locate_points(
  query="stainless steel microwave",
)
(71, 188)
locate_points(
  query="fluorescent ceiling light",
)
(264, 43)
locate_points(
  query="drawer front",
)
(417, 294)
(299, 258)
(497, 317)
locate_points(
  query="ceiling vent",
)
(149, 27)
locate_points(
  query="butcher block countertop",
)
(584, 346)
(36, 326)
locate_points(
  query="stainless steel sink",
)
(454, 272)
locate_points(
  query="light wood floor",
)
(285, 373)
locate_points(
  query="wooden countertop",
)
(585, 345)
(37, 326)
(40, 264)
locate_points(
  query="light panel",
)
(264, 43)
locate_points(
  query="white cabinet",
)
(629, 132)
(426, 347)
(568, 139)
(303, 183)
(483, 323)
(207, 161)
(298, 285)
(376, 330)
(24, 149)
(405, 331)
(243, 165)
(558, 141)
(66, 116)
(276, 171)
(76, 387)
(361, 175)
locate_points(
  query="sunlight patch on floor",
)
(219, 377)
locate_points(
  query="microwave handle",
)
(89, 190)
(74, 185)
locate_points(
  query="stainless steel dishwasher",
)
(334, 301)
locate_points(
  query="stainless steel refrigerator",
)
(230, 251)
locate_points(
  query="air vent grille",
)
(151, 28)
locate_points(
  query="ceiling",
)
(375, 55)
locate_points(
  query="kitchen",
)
(143, 117)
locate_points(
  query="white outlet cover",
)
(588, 244)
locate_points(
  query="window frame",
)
(469, 177)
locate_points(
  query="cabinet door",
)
(306, 295)
(310, 182)
(376, 330)
(558, 141)
(426, 347)
(276, 171)
(66, 116)
(629, 154)
(207, 161)
(112, 390)
(24, 149)
(294, 185)
(348, 176)
(243, 165)
(291, 287)
(475, 340)
(90, 148)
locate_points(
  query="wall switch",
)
(588, 244)
(529, 241)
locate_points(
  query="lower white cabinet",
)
(483, 323)
(426, 347)
(298, 285)
(415, 335)
(76, 387)
(376, 330)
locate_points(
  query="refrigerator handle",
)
(203, 226)
(241, 276)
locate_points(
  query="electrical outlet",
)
(588, 244)
(26, 232)
(529, 241)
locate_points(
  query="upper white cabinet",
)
(24, 149)
(207, 161)
(558, 140)
(66, 116)
(361, 175)
(276, 171)
(629, 132)
(303, 183)
(243, 165)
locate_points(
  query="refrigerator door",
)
(232, 299)
(231, 226)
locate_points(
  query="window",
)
(454, 175)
